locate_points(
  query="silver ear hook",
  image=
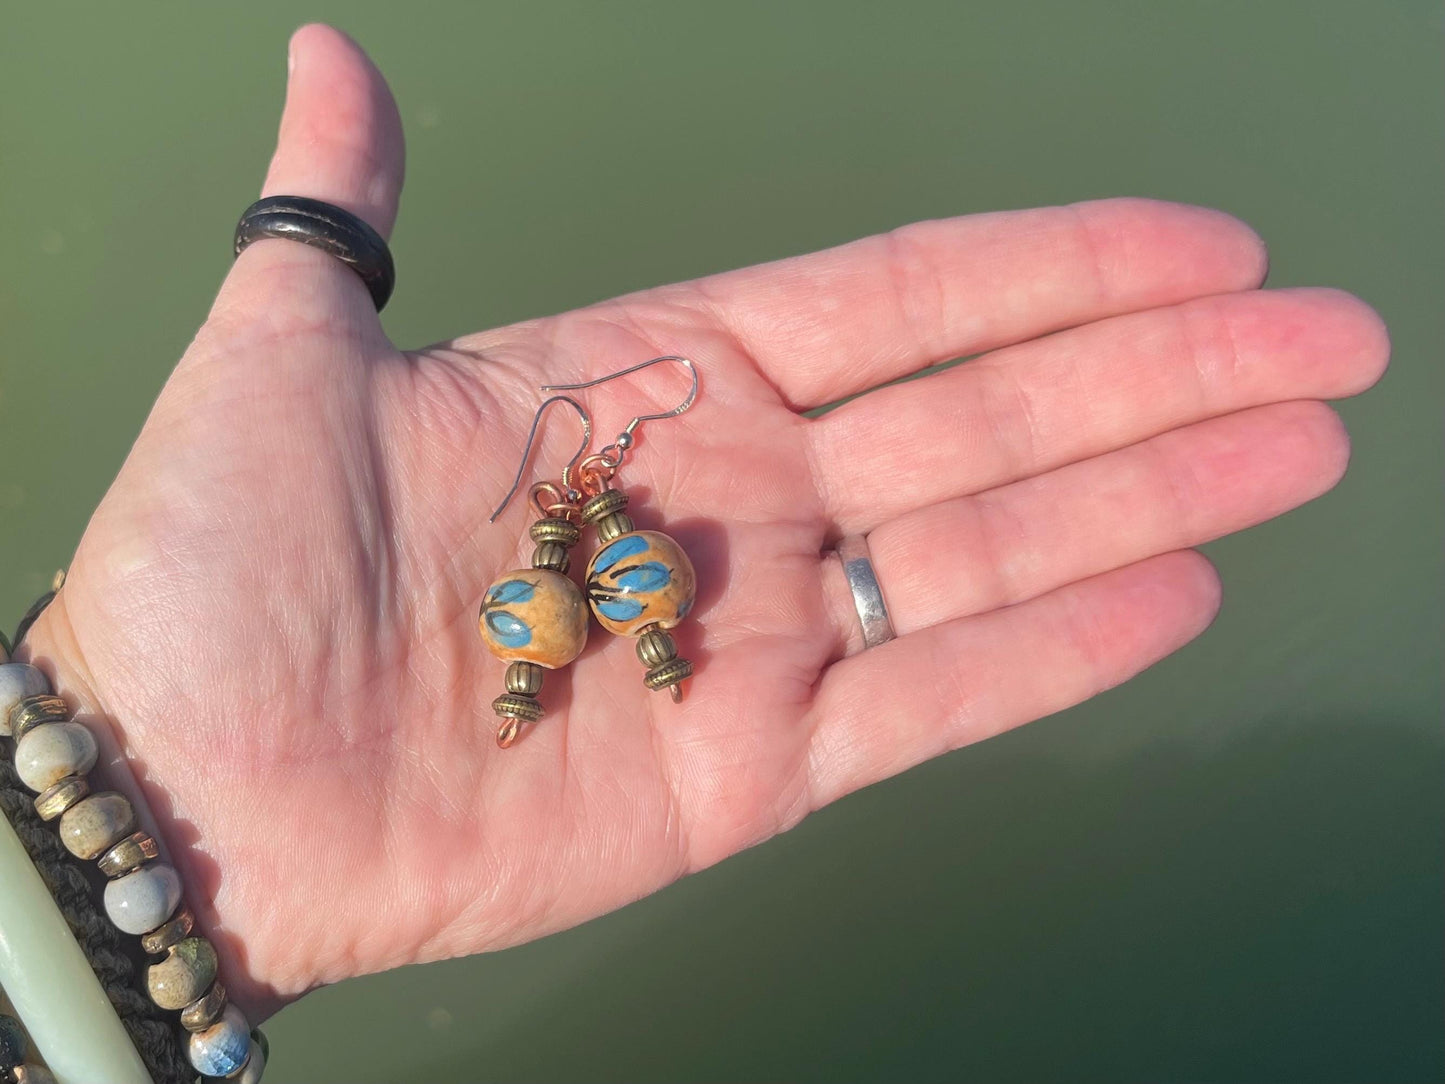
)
(532, 436)
(624, 439)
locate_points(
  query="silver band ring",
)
(852, 551)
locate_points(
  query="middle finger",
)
(1030, 408)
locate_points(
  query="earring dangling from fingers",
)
(639, 583)
(535, 619)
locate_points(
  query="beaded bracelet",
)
(52, 755)
(14, 1048)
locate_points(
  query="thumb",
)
(340, 141)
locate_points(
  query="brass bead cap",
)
(655, 647)
(551, 555)
(513, 706)
(54, 801)
(673, 672)
(604, 504)
(206, 1009)
(614, 525)
(524, 678)
(169, 933)
(134, 851)
(34, 710)
(553, 529)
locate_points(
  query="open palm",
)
(275, 605)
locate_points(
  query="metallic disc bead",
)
(206, 1009)
(90, 828)
(555, 529)
(34, 710)
(510, 705)
(552, 556)
(655, 647)
(222, 1048)
(134, 851)
(140, 901)
(524, 678)
(32, 1074)
(13, 1044)
(169, 933)
(17, 681)
(669, 673)
(255, 1063)
(54, 801)
(185, 974)
(614, 525)
(51, 751)
(604, 504)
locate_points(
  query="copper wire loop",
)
(565, 503)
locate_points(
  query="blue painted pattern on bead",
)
(627, 546)
(619, 609)
(509, 629)
(639, 580)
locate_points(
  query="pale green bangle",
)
(51, 984)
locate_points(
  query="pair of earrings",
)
(638, 583)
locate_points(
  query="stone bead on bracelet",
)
(17, 681)
(222, 1048)
(50, 752)
(91, 827)
(140, 901)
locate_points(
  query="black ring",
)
(327, 227)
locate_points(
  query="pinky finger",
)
(881, 712)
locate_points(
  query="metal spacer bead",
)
(31, 1074)
(551, 555)
(655, 647)
(614, 525)
(524, 678)
(171, 932)
(511, 705)
(555, 529)
(134, 851)
(55, 801)
(34, 710)
(604, 504)
(673, 672)
(206, 1009)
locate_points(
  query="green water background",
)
(1228, 870)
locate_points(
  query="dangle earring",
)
(639, 583)
(535, 619)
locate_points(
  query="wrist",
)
(52, 646)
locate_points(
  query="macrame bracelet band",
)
(50, 755)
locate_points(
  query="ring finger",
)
(974, 554)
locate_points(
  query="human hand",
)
(275, 604)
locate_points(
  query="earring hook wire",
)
(531, 439)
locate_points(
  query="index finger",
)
(847, 319)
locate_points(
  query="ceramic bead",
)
(51, 751)
(141, 901)
(184, 975)
(222, 1048)
(641, 579)
(17, 681)
(12, 1043)
(90, 827)
(255, 1065)
(534, 615)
